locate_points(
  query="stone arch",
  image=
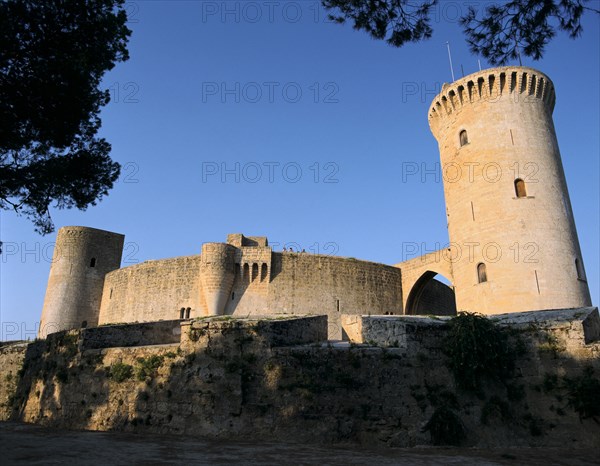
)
(430, 296)
(418, 273)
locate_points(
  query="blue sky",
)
(265, 119)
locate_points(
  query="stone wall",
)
(291, 284)
(317, 284)
(230, 382)
(152, 290)
(148, 333)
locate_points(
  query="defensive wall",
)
(260, 282)
(279, 379)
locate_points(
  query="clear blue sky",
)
(361, 115)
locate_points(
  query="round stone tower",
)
(513, 243)
(82, 257)
(217, 274)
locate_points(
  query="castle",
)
(513, 243)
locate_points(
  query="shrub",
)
(478, 349)
(120, 372)
(582, 394)
(445, 427)
(147, 367)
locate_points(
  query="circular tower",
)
(82, 257)
(217, 273)
(513, 241)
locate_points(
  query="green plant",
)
(195, 334)
(445, 427)
(583, 394)
(147, 367)
(550, 382)
(120, 372)
(551, 344)
(69, 341)
(478, 349)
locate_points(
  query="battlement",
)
(489, 85)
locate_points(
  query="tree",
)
(53, 55)
(499, 32)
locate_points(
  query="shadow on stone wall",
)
(231, 381)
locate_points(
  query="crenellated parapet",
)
(517, 82)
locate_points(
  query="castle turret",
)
(217, 274)
(513, 241)
(82, 257)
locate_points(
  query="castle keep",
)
(513, 243)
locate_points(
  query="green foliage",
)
(54, 56)
(195, 334)
(445, 427)
(478, 349)
(120, 372)
(550, 344)
(69, 343)
(583, 394)
(148, 367)
(396, 22)
(500, 32)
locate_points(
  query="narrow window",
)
(263, 272)
(93, 262)
(233, 295)
(579, 268)
(520, 190)
(464, 139)
(187, 313)
(110, 297)
(84, 324)
(337, 305)
(181, 312)
(254, 271)
(481, 273)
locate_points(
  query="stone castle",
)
(513, 243)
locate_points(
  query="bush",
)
(445, 427)
(478, 349)
(148, 366)
(583, 394)
(120, 372)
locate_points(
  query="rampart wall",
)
(229, 380)
(290, 283)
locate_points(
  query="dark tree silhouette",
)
(53, 55)
(500, 32)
